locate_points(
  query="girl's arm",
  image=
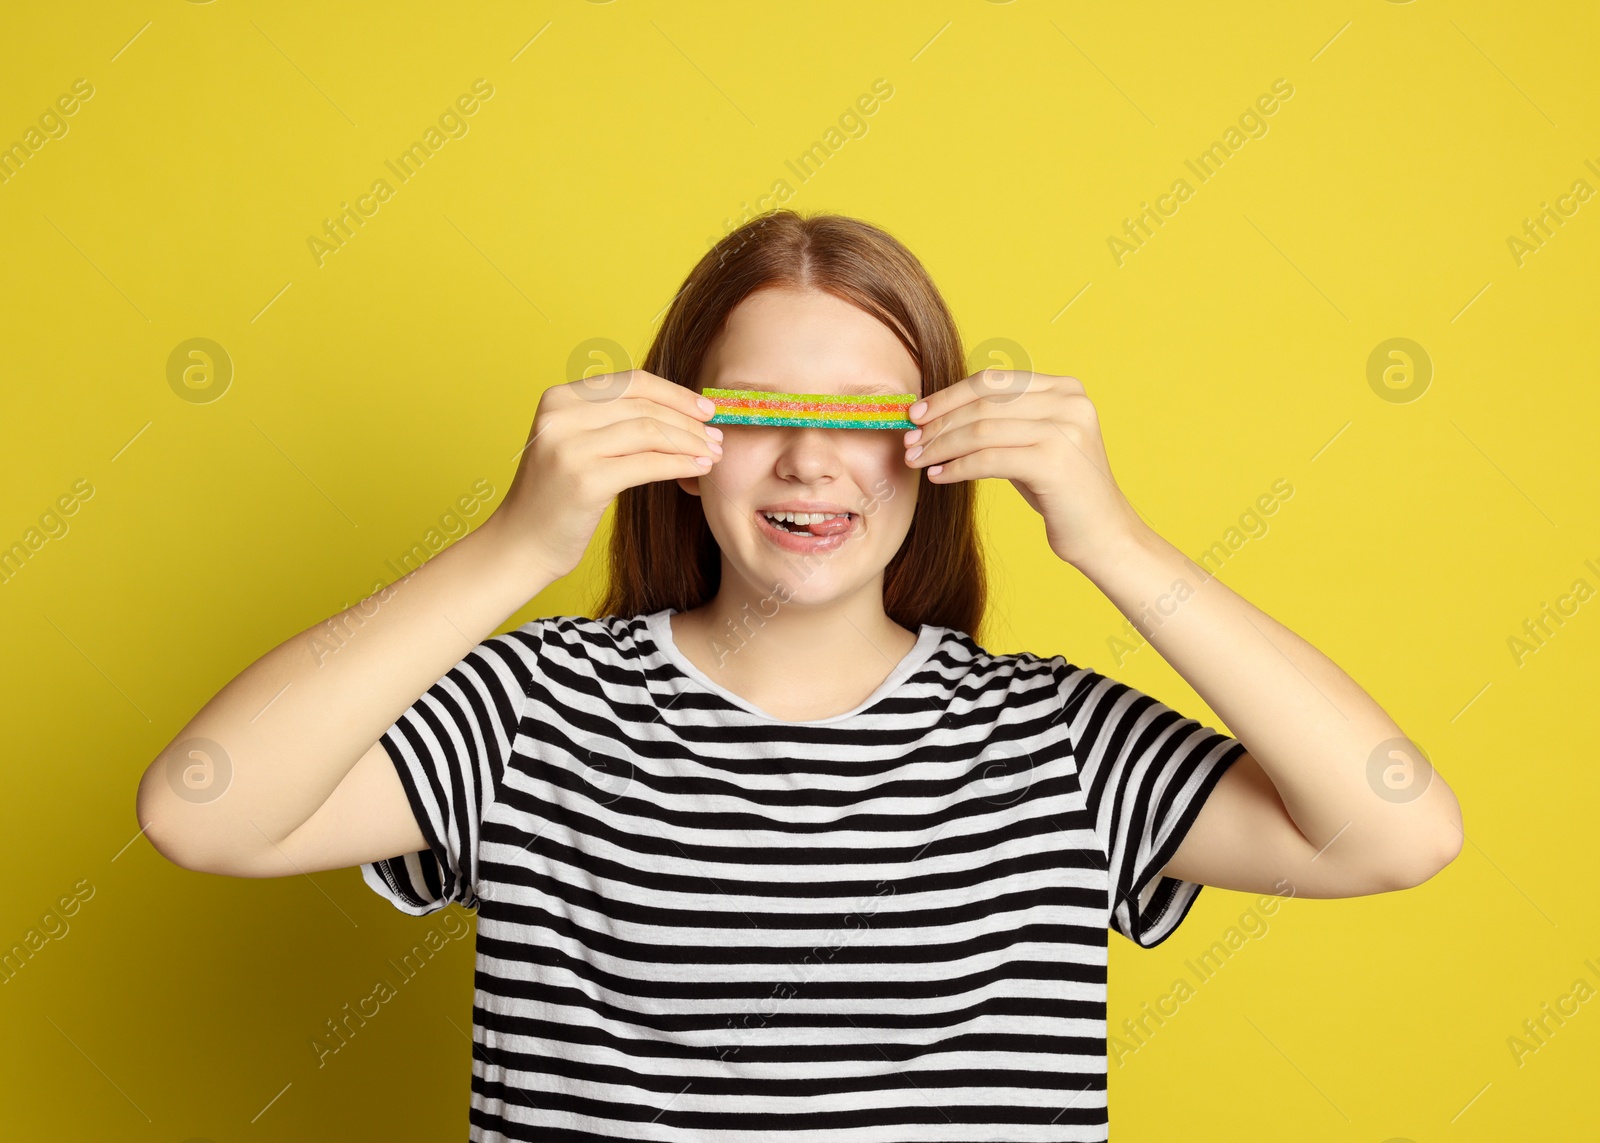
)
(301, 720)
(1312, 802)
(295, 722)
(1307, 804)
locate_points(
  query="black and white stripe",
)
(697, 922)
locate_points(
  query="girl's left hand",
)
(1042, 433)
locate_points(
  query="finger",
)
(640, 386)
(1009, 463)
(673, 395)
(626, 396)
(964, 402)
(938, 404)
(649, 434)
(1049, 399)
(672, 415)
(997, 386)
(648, 467)
(1002, 432)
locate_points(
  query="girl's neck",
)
(796, 663)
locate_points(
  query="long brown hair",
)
(662, 552)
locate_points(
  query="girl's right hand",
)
(592, 438)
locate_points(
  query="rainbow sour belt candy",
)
(811, 410)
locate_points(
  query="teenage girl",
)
(774, 848)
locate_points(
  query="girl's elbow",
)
(1431, 860)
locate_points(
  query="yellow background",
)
(372, 391)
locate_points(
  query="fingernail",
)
(706, 406)
(917, 410)
(913, 454)
(715, 447)
(713, 432)
(913, 436)
(703, 461)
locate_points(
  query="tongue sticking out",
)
(829, 527)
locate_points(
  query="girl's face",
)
(793, 341)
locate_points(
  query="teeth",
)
(804, 518)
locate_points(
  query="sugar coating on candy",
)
(811, 410)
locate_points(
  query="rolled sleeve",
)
(450, 750)
(1146, 771)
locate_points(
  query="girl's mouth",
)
(818, 536)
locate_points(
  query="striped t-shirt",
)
(700, 922)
